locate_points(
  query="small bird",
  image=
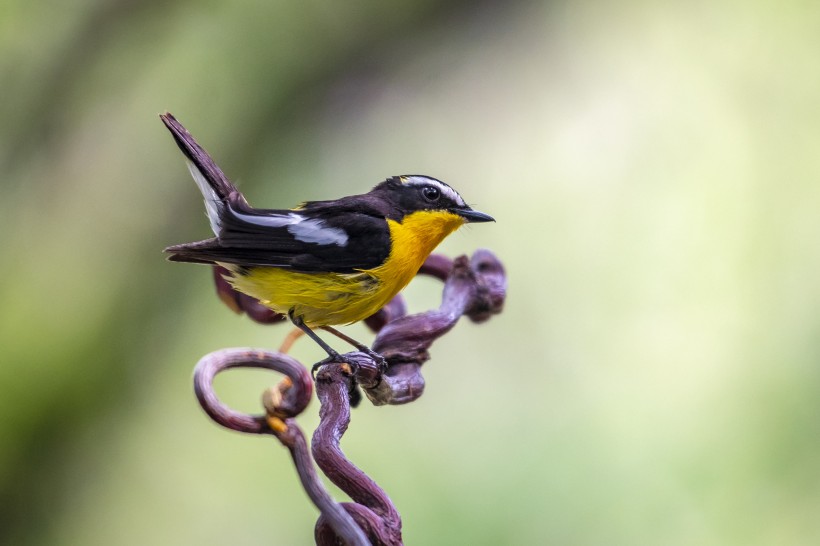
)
(322, 263)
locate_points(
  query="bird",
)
(322, 263)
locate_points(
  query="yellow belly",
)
(327, 299)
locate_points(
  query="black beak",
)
(473, 215)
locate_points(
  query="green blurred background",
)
(653, 168)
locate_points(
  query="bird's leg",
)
(332, 354)
(296, 333)
(380, 361)
(346, 338)
(300, 323)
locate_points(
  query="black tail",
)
(212, 174)
(197, 253)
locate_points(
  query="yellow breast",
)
(412, 241)
(325, 299)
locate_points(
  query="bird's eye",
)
(431, 193)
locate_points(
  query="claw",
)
(335, 359)
(380, 361)
(354, 394)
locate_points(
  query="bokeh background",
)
(653, 167)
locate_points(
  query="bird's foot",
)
(336, 358)
(352, 361)
(381, 362)
(364, 367)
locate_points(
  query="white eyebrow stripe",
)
(446, 190)
(307, 230)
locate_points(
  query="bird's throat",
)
(412, 241)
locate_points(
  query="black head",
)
(414, 192)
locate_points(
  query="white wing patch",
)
(315, 231)
(213, 205)
(307, 230)
(445, 190)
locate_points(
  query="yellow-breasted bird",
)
(323, 263)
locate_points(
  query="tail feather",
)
(198, 252)
(214, 205)
(210, 251)
(212, 182)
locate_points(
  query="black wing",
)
(305, 240)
